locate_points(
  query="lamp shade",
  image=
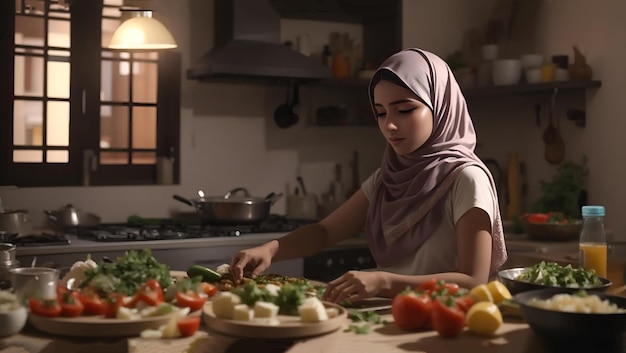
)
(142, 32)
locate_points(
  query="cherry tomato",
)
(188, 325)
(91, 300)
(208, 288)
(150, 293)
(464, 302)
(538, 218)
(430, 286)
(112, 303)
(448, 320)
(411, 311)
(190, 299)
(70, 304)
(44, 307)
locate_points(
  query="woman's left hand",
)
(354, 285)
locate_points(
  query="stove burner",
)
(43, 239)
(170, 229)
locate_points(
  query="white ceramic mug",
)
(302, 207)
(40, 282)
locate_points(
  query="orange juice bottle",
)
(592, 244)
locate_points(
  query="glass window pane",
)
(113, 158)
(29, 30)
(58, 129)
(114, 87)
(58, 79)
(114, 128)
(63, 53)
(145, 81)
(144, 158)
(28, 76)
(27, 123)
(109, 26)
(28, 156)
(59, 33)
(144, 127)
(57, 156)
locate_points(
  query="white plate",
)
(287, 327)
(95, 326)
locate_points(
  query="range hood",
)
(247, 47)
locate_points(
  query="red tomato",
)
(45, 307)
(92, 302)
(448, 320)
(411, 311)
(208, 288)
(464, 302)
(151, 293)
(429, 286)
(190, 299)
(450, 288)
(70, 304)
(538, 218)
(112, 304)
(188, 325)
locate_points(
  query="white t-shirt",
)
(472, 188)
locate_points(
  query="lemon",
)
(484, 318)
(498, 291)
(481, 293)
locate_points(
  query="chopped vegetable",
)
(554, 275)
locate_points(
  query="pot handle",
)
(51, 215)
(272, 197)
(236, 190)
(184, 200)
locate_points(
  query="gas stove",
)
(172, 229)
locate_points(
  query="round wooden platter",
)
(95, 326)
(287, 326)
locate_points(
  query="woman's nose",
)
(390, 125)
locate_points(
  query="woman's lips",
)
(395, 140)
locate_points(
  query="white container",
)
(12, 321)
(561, 74)
(530, 61)
(506, 72)
(533, 75)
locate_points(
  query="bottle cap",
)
(593, 211)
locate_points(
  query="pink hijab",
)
(407, 204)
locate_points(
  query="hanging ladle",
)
(555, 149)
(284, 115)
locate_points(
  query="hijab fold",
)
(407, 205)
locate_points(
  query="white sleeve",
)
(472, 188)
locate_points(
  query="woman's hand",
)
(354, 285)
(254, 260)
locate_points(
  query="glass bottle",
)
(592, 245)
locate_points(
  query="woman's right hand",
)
(254, 260)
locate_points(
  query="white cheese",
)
(243, 312)
(332, 312)
(272, 289)
(265, 310)
(312, 310)
(224, 304)
(127, 313)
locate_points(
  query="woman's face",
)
(403, 119)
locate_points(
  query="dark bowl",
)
(600, 332)
(552, 231)
(507, 277)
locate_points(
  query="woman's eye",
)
(405, 111)
(380, 115)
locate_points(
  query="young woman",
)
(430, 211)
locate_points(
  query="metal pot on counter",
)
(14, 221)
(69, 216)
(231, 209)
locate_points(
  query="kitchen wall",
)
(229, 139)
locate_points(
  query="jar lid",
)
(593, 211)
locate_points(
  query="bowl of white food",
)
(13, 315)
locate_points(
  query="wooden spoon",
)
(555, 149)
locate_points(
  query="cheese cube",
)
(332, 312)
(272, 289)
(242, 312)
(224, 304)
(265, 310)
(312, 310)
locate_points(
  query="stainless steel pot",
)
(15, 222)
(232, 209)
(70, 217)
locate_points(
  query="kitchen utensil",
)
(580, 331)
(34, 281)
(69, 216)
(538, 114)
(7, 262)
(287, 327)
(15, 222)
(232, 209)
(301, 182)
(508, 278)
(555, 149)
(12, 321)
(284, 115)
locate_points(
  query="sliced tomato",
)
(190, 299)
(188, 325)
(411, 311)
(150, 293)
(464, 302)
(538, 218)
(44, 307)
(208, 288)
(92, 302)
(429, 286)
(448, 320)
(70, 304)
(112, 304)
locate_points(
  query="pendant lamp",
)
(141, 32)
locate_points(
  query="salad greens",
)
(127, 273)
(554, 275)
